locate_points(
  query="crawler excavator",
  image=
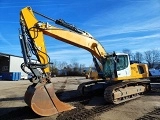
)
(121, 81)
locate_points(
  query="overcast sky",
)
(116, 24)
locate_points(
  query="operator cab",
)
(117, 65)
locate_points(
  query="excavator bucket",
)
(43, 100)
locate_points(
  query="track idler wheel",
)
(43, 100)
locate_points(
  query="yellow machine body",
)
(41, 96)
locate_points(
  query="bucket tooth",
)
(43, 100)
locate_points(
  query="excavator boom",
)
(74, 37)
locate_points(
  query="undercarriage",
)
(115, 91)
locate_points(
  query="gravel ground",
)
(13, 107)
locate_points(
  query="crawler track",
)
(108, 93)
(115, 92)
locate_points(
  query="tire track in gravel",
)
(154, 115)
(62, 87)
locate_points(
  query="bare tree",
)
(55, 64)
(82, 67)
(69, 68)
(152, 56)
(138, 57)
(53, 68)
(75, 65)
(128, 51)
(62, 65)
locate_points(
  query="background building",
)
(12, 63)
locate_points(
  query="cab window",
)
(122, 62)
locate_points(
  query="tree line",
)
(65, 69)
(151, 57)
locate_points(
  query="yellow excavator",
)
(121, 80)
(91, 73)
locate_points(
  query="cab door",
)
(123, 66)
